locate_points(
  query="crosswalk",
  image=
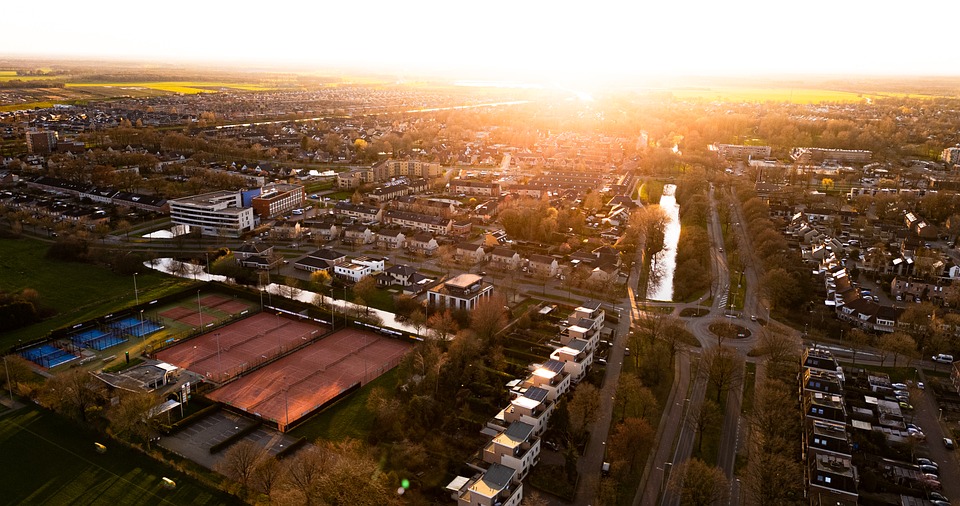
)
(725, 294)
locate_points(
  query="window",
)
(827, 479)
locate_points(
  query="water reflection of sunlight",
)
(661, 286)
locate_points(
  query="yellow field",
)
(20, 107)
(792, 95)
(186, 87)
(8, 73)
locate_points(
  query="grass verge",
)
(57, 464)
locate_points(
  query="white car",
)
(943, 358)
(900, 386)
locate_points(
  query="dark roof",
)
(401, 270)
(553, 365)
(498, 476)
(519, 431)
(326, 254)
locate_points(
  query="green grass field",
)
(77, 291)
(56, 464)
(349, 417)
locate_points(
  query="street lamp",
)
(219, 365)
(136, 293)
(143, 337)
(199, 311)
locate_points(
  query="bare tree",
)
(488, 318)
(708, 415)
(75, 393)
(725, 369)
(240, 461)
(266, 475)
(417, 320)
(304, 471)
(128, 417)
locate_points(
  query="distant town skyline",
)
(598, 41)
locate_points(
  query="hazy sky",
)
(550, 40)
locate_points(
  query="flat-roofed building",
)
(739, 151)
(462, 292)
(277, 199)
(517, 447)
(497, 486)
(215, 213)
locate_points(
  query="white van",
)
(943, 358)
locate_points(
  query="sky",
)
(517, 40)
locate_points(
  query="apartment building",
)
(462, 292)
(219, 213)
(277, 199)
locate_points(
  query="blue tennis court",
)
(83, 337)
(47, 355)
(107, 341)
(135, 327)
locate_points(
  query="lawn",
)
(349, 417)
(76, 291)
(56, 464)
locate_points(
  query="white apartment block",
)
(215, 213)
(497, 486)
(462, 292)
(738, 151)
(358, 268)
(518, 448)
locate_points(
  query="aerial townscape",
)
(442, 268)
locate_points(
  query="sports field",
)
(292, 387)
(234, 348)
(48, 460)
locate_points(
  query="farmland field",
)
(186, 87)
(794, 95)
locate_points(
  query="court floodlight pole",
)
(219, 366)
(136, 293)
(200, 311)
(143, 337)
(9, 385)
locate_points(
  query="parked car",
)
(943, 358)
(930, 470)
(936, 496)
(948, 443)
(926, 462)
(900, 386)
(914, 427)
(906, 405)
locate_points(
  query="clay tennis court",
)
(225, 304)
(297, 384)
(242, 345)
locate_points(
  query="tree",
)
(364, 290)
(698, 483)
(303, 472)
(73, 393)
(777, 347)
(241, 460)
(417, 320)
(443, 325)
(320, 281)
(857, 339)
(488, 317)
(898, 343)
(771, 479)
(128, 417)
(779, 287)
(628, 440)
(708, 415)
(266, 475)
(724, 367)
(583, 408)
(353, 477)
(633, 399)
(18, 370)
